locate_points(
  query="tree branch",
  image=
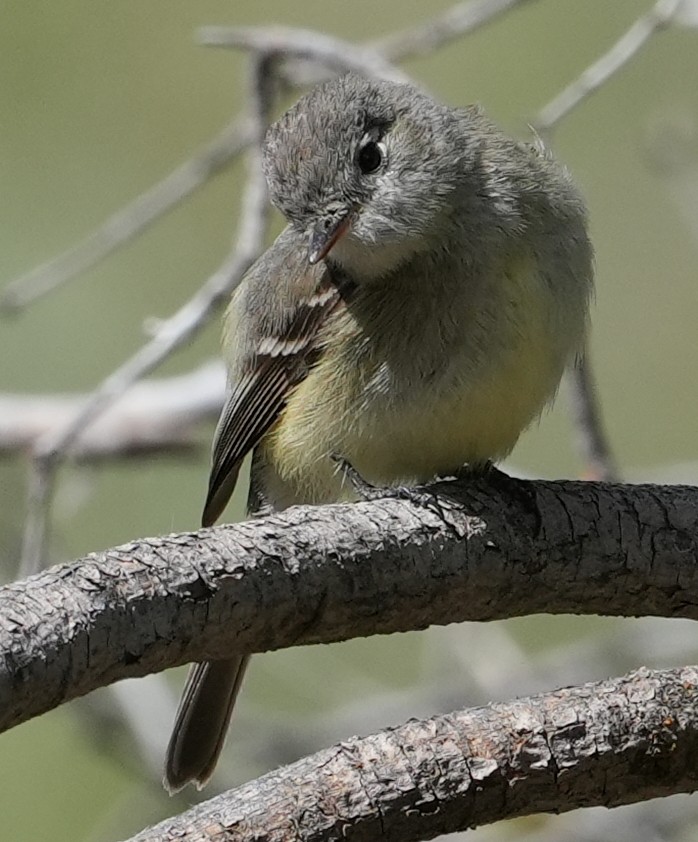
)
(171, 334)
(132, 219)
(585, 410)
(455, 22)
(606, 66)
(606, 743)
(335, 54)
(470, 550)
(154, 416)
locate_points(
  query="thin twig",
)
(335, 54)
(154, 416)
(586, 413)
(598, 73)
(461, 19)
(593, 443)
(171, 334)
(131, 220)
(373, 57)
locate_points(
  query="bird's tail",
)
(202, 721)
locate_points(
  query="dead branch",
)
(463, 550)
(155, 416)
(606, 743)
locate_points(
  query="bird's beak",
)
(326, 233)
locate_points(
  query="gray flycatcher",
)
(414, 317)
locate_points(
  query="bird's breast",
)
(431, 391)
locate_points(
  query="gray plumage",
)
(416, 315)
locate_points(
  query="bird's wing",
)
(285, 347)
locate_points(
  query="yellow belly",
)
(403, 412)
(391, 441)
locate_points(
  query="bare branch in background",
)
(603, 69)
(465, 664)
(333, 53)
(171, 334)
(131, 220)
(155, 416)
(461, 19)
(592, 441)
(610, 743)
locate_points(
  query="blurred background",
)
(100, 100)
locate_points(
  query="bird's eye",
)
(370, 157)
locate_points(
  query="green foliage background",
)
(100, 99)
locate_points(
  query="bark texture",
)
(462, 550)
(606, 743)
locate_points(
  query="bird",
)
(416, 314)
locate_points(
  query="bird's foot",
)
(433, 497)
(366, 491)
